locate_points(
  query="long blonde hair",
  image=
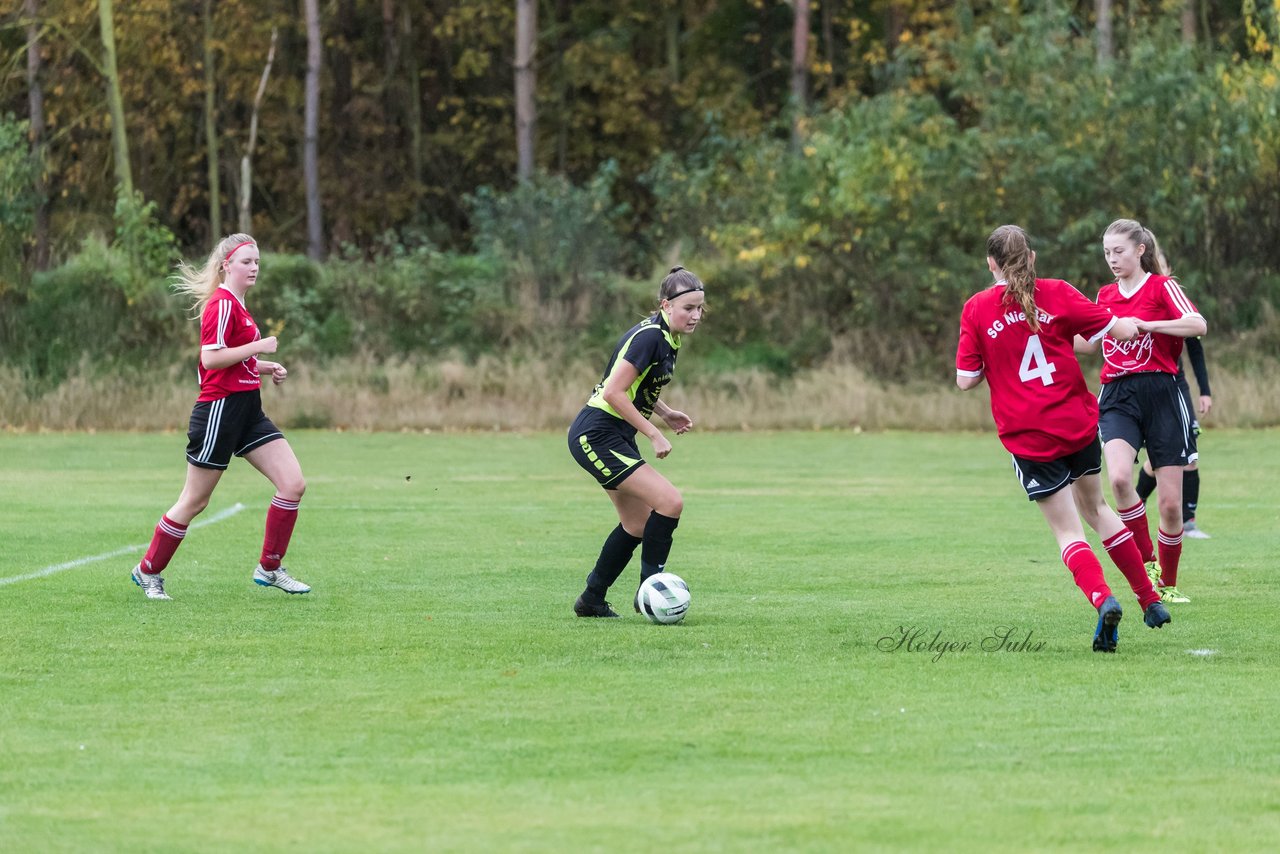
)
(200, 283)
(1009, 248)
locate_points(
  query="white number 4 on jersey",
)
(1034, 365)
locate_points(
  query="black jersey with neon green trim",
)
(651, 348)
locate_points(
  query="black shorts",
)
(1041, 479)
(235, 424)
(1190, 404)
(1148, 410)
(604, 446)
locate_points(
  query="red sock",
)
(1170, 554)
(281, 516)
(1087, 572)
(1135, 519)
(164, 542)
(1125, 555)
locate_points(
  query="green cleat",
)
(1153, 572)
(1171, 595)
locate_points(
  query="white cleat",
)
(1191, 532)
(152, 585)
(279, 578)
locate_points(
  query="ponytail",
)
(1009, 248)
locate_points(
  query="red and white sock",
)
(1087, 572)
(1135, 519)
(281, 516)
(1124, 553)
(1170, 554)
(164, 542)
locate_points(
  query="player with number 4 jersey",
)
(1019, 336)
(1042, 407)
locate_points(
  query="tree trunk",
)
(35, 98)
(119, 137)
(673, 45)
(799, 71)
(311, 132)
(562, 10)
(340, 136)
(246, 161)
(415, 100)
(1189, 22)
(526, 83)
(390, 44)
(1106, 49)
(211, 127)
(895, 21)
(828, 12)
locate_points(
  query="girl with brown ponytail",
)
(1018, 335)
(602, 439)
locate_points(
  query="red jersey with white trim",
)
(1157, 298)
(226, 323)
(1042, 407)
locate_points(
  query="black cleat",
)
(1107, 635)
(1156, 615)
(583, 608)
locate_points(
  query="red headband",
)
(236, 247)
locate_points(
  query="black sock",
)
(618, 548)
(1190, 493)
(1146, 485)
(657, 543)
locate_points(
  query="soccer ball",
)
(663, 598)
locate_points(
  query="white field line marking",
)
(72, 564)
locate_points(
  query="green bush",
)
(94, 305)
(873, 236)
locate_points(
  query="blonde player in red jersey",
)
(1140, 403)
(228, 418)
(1018, 335)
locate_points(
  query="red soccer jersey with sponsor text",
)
(1042, 408)
(226, 323)
(1156, 298)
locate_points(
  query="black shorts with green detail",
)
(604, 446)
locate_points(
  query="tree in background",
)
(211, 123)
(311, 133)
(1105, 43)
(111, 76)
(799, 71)
(526, 85)
(35, 98)
(246, 160)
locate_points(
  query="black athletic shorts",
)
(1181, 379)
(1041, 479)
(1148, 410)
(235, 424)
(604, 446)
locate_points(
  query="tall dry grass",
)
(539, 393)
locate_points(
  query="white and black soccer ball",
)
(663, 598)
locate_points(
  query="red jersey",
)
(1156, 298)
(226, 323)
(1042, 408)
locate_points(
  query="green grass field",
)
(435, 693)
